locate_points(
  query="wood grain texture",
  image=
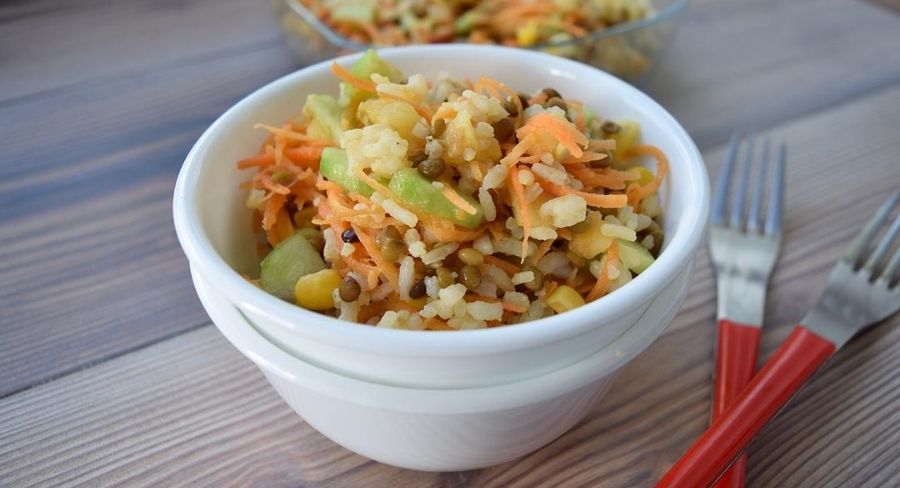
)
(191, 411)
(46, 45)
(100, 101)
(738, 64)
(91, 267)
(891, 4)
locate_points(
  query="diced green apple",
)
(292, 258)
(419, 192)
(335, 167)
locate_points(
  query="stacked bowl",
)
(422, 399)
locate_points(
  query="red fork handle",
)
(791, 365)
(735, 365)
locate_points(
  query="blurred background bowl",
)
(628, 50)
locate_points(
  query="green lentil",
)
(349, 289)
(470, 277)
(432, 168)
(471, 256)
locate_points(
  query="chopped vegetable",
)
(324, 115)
(334, 167)
(634, 256)
(421, 194)
(564, 298)
(315, 291)
(292, 258)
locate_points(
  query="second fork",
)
(743, 251)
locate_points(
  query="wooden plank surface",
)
(100, 101)
(739, 64)
(52, 44)
(191, 411)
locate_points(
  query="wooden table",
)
(110, 372)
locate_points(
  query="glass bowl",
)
(626, 50)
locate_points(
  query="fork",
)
(861, 291)
(743, 252)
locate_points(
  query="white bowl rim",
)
(607, 361)
(679, 250)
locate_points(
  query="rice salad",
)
(444, 204)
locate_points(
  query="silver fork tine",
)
(884, 245)
(737, 205)
(753, 219)
(864, 240)
(720, 196)
(776, 196)
(891, 269)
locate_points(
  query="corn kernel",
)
(527, 34)
(646, 175)
(626, 138)
(315, 291)
(564, 298)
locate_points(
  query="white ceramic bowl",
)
(213, 228)
(442, 430)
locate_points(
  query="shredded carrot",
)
(523, 208)
(605, 177)
(345, 75)
(387, 268)
(503, 264)
(513, 308)
(420, 108)
(323, 184)
(580, 121)
(363, 269)
(440, 230)
(512, 157)
(551, 287)
(534, 158)
(435, 323)
(562, 130)
(270, 213)
(637, 192)
(458, 201)
(282, 229)
(542, 249)
(592, 199)
(264, 180)
(602, 285)
(260, 161)
(293, 135)
(302, 193)
(495, 88)
(305, 156)
(374, 184)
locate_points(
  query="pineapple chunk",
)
(591, 242)
(397, 115)
(626, 138)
